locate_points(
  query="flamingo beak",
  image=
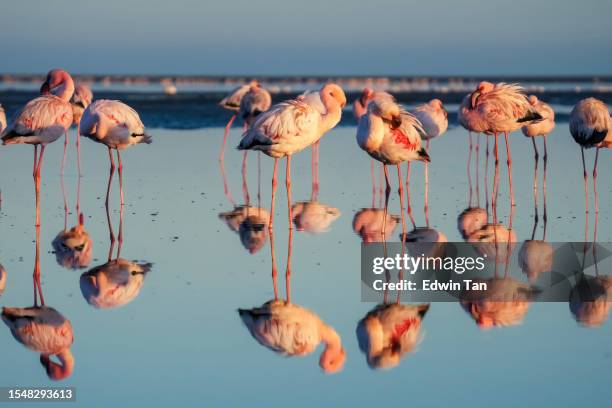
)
(474, 98)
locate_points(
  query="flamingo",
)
(487, 238)
(117, 126)
(42, 121)
(81, 99)
(504, 303)
(471, 220)
(314, 217)
(45, 331)
(590, 300)
(290, 127)
(392, 136)
(542, 128)
(370, 223)
(232, 103)
(73, 247)
(113, 284)
(251, 225)
(434, 119)
(2, 279)
(590, 126)
(291, 330)
(389, 332)
(497, 108)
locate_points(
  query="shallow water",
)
(181, 341)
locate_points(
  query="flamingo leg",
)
(226, 190)
(408, 205)
(78, 146)
(478, 170)
(225, 134)
(245, 187)
(387, 192)
(400, 192)
(288, 187)
(535, 181)
(509, 163)
(108, 190)
(469, 168)
(545, 216)
(495, 180)
(596, 194)
(288, 269)
(66, 140)
(486, 176)
(373, 183)
(36, 275)
(258, 179)
(274, 269)
(65, 197)
(586, 185)
(426, 206)
(381, 189)
(120, 168)
(271, 223)
(37, 177)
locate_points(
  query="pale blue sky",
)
(325, 37)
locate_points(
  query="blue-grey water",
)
(181, 342)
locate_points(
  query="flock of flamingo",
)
(388, 133)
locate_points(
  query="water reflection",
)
(314, 217)
(73, 247)
(292, 330)
(389, 332)
(251, 224)
(426, 241)
(369, 224)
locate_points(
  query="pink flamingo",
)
(369, 224)
(253, 103)
(497, 108)
(232, 103)
(434, 119)
(540, 128)
(290, 127)
(590, 126)
(392, 136)
(117, 126)
(389, 332)
(45, 331)
(42, 121)
(81, 99)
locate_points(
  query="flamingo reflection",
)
(2, 279)
(291, 330)
(389, 332)
(370, 223)
(43, 329)
(251, 224)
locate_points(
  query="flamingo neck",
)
(66, 89)
(60, 371)
(333, 112)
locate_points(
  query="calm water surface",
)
(180, 340)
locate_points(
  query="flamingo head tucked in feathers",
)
(334, 92)
(533, 100)
(483, 88)
(366, 96)
(57, 78)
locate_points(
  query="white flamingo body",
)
(291, 330)
(43, 120)
(590, 123)
(497, 108)
(389, 332)
(543, 126)
(433, 118)
(114, 124)
(114, 284)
